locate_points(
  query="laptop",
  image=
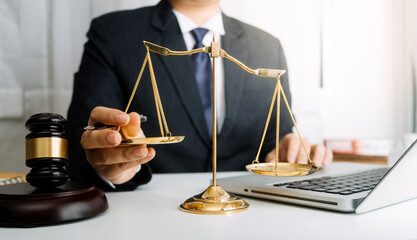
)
(341, 186)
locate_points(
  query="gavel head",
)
(46, 150)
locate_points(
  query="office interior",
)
(351, 63)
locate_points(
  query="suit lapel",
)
(233, 44)
(180, 68)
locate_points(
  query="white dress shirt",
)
(214, 25)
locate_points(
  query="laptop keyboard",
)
(343, 185)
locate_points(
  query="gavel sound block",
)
(48, 197)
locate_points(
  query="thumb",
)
(133, 128)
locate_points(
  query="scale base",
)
(281, 169)
(213, 201)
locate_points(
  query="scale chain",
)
(135, 88)
(158, 103)
(159, 109)
(267, 123)
(295, 125)
(277, 128)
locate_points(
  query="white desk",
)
(151, 212)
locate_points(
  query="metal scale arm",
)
(261, 72)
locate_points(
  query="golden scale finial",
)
(214, 200)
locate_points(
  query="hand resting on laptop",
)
(291, 150)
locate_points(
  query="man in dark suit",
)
(110, 65)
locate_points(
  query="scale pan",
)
(281, 169)
(152, 140)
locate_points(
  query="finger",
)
(293, 149)
(328, 158)
(287, 139)
(318, 153)
(133, 129)
(111, 172)
(108, 116)
(111, 156)
(270, 157)
(302, 156)
(100, 139)
(123, 176)
(282, 153)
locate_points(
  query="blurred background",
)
(352, 63)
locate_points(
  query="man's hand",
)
(291, 150)
(118, 164)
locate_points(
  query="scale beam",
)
(166, 51)
(214, 51)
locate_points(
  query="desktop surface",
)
(151, 212)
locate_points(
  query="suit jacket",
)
(110, 65)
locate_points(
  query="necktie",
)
(203, 75)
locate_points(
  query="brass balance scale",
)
(214, 200)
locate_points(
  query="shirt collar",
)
(214, 24)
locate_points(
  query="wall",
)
(410, 52)
(355, 48)
(364, 69)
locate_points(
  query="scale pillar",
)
(214, 200)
